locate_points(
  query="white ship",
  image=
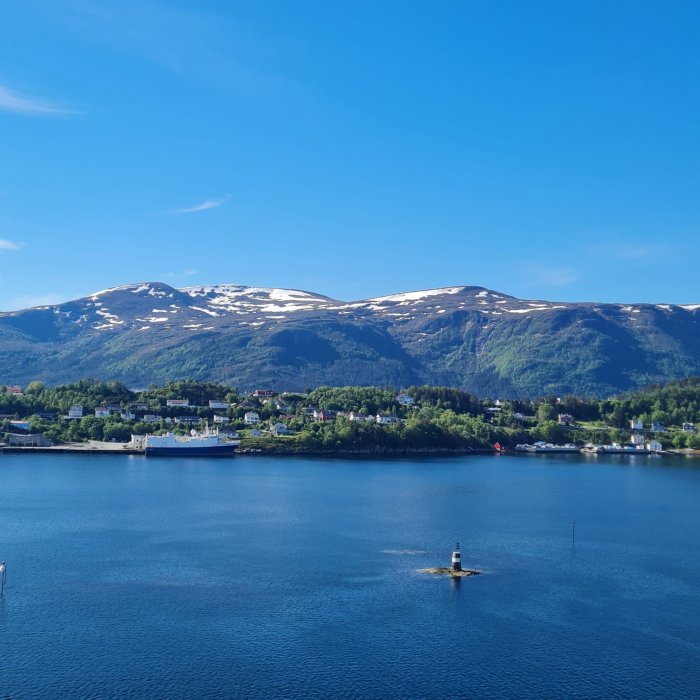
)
(615, 449)
(207, 443)
(540, 446)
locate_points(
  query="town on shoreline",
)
(101, 417)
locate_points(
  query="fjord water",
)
(279, 577)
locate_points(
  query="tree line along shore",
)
(346, 419)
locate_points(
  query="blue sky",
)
(543, 149)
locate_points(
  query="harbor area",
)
(91, 447)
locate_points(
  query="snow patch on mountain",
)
(414, 296)
(205, 311)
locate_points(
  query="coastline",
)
(102, 448)
(125, 449)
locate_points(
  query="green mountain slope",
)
(475, 339)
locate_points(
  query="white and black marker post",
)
(3, 575)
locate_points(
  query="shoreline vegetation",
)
(100, 417)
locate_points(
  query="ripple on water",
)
(296, 578)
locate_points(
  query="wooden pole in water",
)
(3, 575)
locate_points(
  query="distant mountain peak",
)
(465, 336)
(239, 298)
(150, 288)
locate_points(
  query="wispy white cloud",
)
(207, 204)
(11, 101)
(212, 47)
(9, 245)
(634, 251)
(552, 275)
(185, 273)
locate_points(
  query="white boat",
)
(207, 443)
(615, 449)
(544, 447)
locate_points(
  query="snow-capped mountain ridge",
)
(466, 336)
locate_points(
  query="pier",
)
(93, 447)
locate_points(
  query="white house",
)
(128, 415)
(178, 402)
(688, 428)
(405, 400)
(636, 424)
(654, 446)
(251, 418)
(280, 429)
(355, 416)
(151, 418)
(221, 419)
(386, 419)
(102, 412)
(637, 439)
(218, 404)
(75, 412)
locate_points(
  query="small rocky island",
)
(455, 570)
(449, 571)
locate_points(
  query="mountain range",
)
(476, 339)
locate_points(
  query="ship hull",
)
(208, 451)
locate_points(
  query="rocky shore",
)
(447, 571)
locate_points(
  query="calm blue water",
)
(253, 577)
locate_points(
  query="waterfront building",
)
(28, 441)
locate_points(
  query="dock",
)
(93, 447)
